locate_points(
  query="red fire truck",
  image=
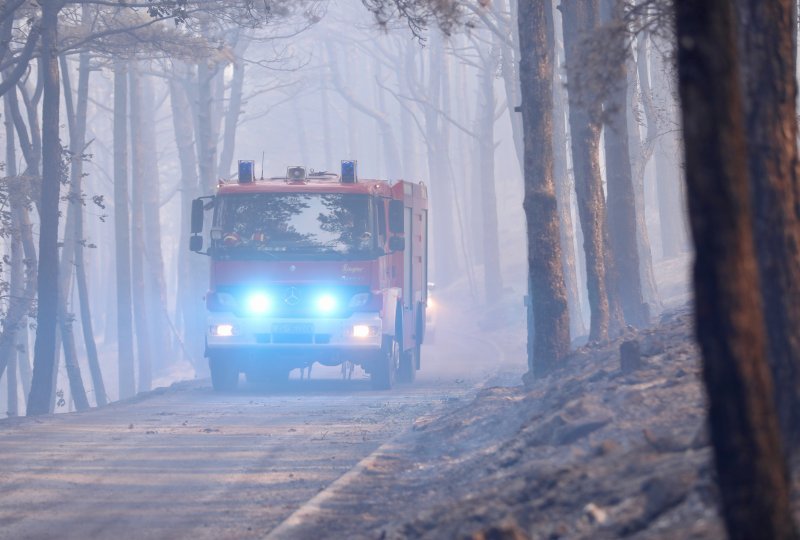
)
(314, 267)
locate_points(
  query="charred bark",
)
(585, 113)
(563, 185)
(771, 112)
(622, 221)
(545, 272)
(751, 471)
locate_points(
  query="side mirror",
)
(396, 217)
(397, 243)
(196, 243)
(197, 217)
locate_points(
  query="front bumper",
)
(295, 334)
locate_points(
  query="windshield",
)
(271, 224)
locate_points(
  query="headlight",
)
(223, 330)
(364, 331)
(258, 304)
(326, 304)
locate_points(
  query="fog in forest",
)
(311, 85)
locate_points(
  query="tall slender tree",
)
(585, 119)
(550, 334)
(122, 239)
(45, 344)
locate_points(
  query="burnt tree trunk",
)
(563, 185)
(751, 471)
(771, 122)
(47, 313)
(585, 113)
(545, 272)
(622, 222)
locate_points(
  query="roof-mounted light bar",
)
(247, 171)
(296, 174)
(349, 171)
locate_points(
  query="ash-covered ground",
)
(593, 451)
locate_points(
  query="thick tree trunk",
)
(548, 293)
(729, 317)
(579, 17)
(771, 93)
(622, 222)
(47, 312)
(127, 374)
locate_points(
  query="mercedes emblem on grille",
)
(291, 297)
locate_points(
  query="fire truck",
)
(313, 267)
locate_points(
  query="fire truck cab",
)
(314, 267)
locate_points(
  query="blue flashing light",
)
(349, 172)
(247, 171)
(326, 304)
(258, 304)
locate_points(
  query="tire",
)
(224, 373)
(408, 366)
(384, 372)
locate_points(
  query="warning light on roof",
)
(247, 172)
(296, 174)
(349, 175)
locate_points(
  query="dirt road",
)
(188, 463)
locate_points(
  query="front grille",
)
(293, 339)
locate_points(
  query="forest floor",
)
(592, 451)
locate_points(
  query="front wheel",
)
(224, 373)
(384, 371)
